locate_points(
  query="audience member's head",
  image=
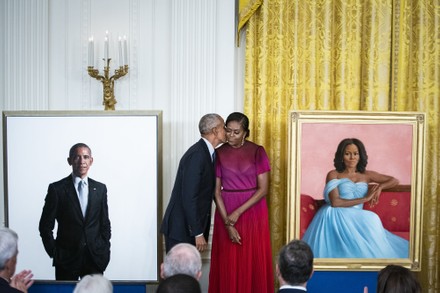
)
(295, 264)
(8, 263)
(183, 258)
(179, 283)
(93, 284)
(397, 279)
(8, 252)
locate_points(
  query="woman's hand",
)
(233, 218)
(22, 281)
(373, 194)
(233, 234)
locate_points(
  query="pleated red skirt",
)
(246, 267)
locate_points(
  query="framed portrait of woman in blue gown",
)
(355, 187)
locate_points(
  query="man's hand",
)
(201, 243)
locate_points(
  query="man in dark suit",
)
(10, 283)
(188, 216)
(294, 267)
(79, 205)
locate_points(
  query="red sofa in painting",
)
(393, 209)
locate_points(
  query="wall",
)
(183, 61)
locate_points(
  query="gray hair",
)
(8, 245)
(208, 122)
(183, 258)
(94, 283)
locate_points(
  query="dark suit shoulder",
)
(96, 183)
(69, 180)
(199, 149)
(198, 146)
(62, 182)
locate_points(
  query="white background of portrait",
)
(125, 151)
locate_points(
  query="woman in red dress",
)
(241, 257)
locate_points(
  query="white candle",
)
(125, 51)
(121, 62)
(106, 53)
(91, 52)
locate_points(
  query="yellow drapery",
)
(345, 55)
(245, 10)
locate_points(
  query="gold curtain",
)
(374, 55)
(245, 10)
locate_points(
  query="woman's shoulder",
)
(332, 174)
(253, 144)
(250, 146)
(369, 175)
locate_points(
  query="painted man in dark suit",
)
(79, 206)
(294, 267)
(188, 215)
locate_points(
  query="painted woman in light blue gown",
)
(342, 228)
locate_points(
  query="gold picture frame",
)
(396, 141)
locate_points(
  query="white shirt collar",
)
(210, 147)
(293, 287)
(77, 179)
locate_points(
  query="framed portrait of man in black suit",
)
(126, 147)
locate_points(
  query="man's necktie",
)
(213, 157)
(82, 197)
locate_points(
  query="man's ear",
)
(199, 275)
(162, 274)
(11, 265)
(69, 162)
(311, 274)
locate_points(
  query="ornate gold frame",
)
(416, 120)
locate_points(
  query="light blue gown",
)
(351, 232)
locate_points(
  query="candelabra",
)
(108, 82)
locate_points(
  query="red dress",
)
(246, 267)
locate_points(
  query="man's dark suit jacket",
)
(189, 211)
(5, 288)
(74, 232)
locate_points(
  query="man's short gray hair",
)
(183, 258)
(208, 122)
(8, 245)
(94, 283)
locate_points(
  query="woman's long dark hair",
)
(339, 155)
